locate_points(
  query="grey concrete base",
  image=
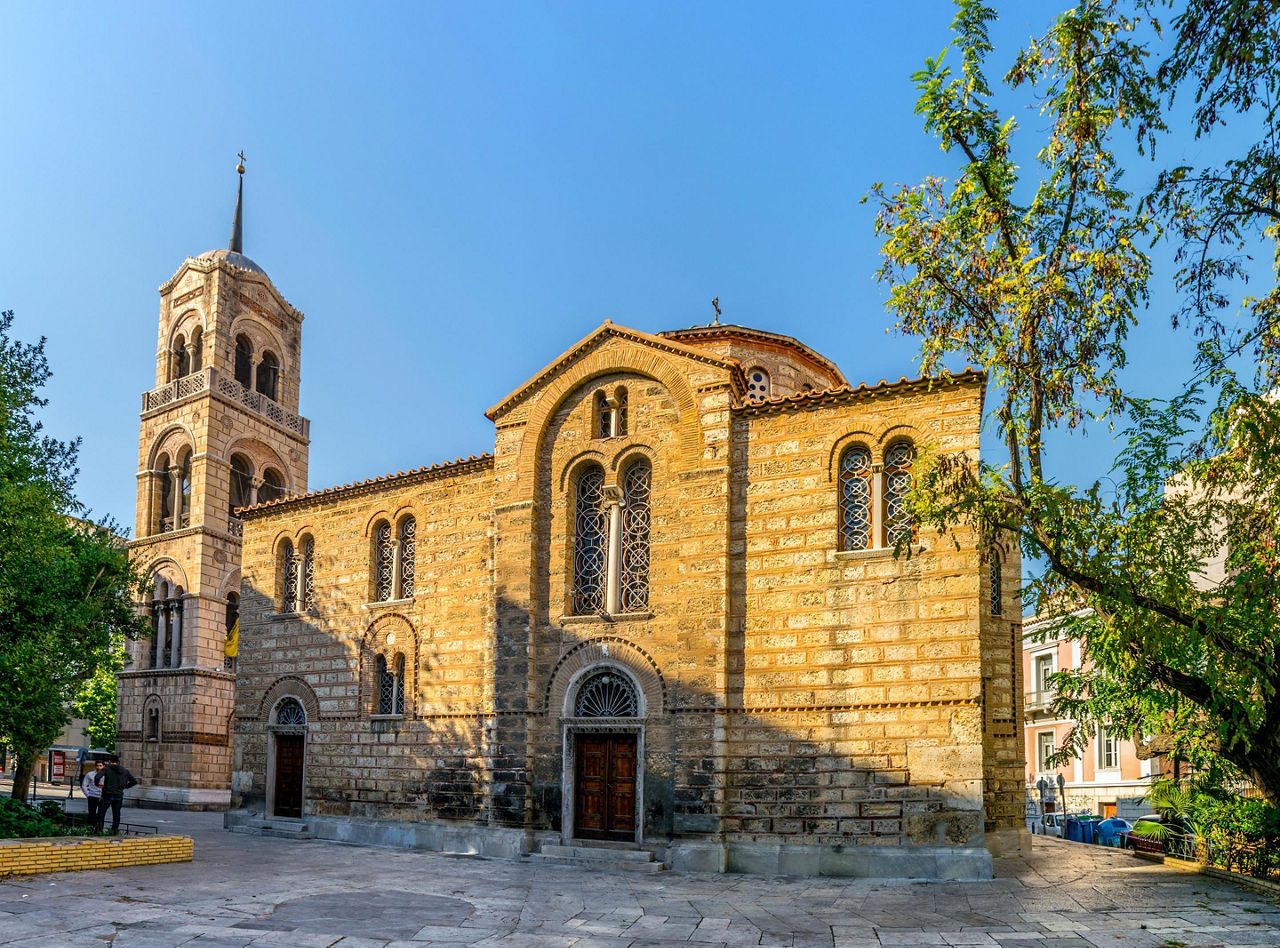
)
(967, 864)
(691, 856)
(177, 798)
(497, 842)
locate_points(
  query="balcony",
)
(211, 380)
(1040, 700)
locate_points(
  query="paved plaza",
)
(243, 890)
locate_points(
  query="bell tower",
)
(219, 430)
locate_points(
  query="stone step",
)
(597, 863)
(588, 852)
(604, 844)
(278, 829)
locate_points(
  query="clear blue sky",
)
(454, 193)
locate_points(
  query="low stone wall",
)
(75, 853)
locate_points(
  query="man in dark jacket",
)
(115, 781)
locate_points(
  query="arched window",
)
(607, 694)
(634, 588)
(241, 482)
(197, 349)
(244, 361)
(997, 584)
(290, 713)
(288, 578)
(620, 412)
(390, 685)
(184, 486)
(181, 363)
(165, 520)
(590, 524)
(384, 560)
(268, 375)
(232, 648)
(758, 386)
(855, 498)
(408, 538)
(307, 582)
(272, 485)
(898, 523)
(603, 416)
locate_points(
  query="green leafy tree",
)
(96, 702)
(1039, 274)
(67, 587)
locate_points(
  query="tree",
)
(96, 702)
(1040, 277)
(67, 587)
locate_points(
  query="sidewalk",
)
(244, 890)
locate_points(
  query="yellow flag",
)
(233, 641)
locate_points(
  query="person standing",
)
(115, 781)
(92, 788)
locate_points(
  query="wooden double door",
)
(288, 789)
(604, 786)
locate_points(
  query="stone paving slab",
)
(242, 890)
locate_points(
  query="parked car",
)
(1176, 842)
(1048, 825)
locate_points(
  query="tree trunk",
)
(22, 773)
(1263, 766)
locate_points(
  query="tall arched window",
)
(307, 582)
(241, 482)
(272, 485)
(288, 578)
(181, 363)
(268, 375)
(855, 498)
(408, 544)
(590, 525)
(898, 523)
(390, 683)
(620, 412)
(384, 559)
(603, 416)
(634, 581)
(197, 349)
(244, 361)
(184, 487)
(232, 648)
(165, 520)
(758, 385)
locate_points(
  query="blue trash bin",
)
(1073, 830)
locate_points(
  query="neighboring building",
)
(219, 431)
(1109, 777)
(665, 611)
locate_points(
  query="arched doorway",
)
(604, 753)
(287, 761)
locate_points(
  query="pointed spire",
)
(237, 225)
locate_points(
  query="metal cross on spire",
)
(716, 303)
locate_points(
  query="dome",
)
(233, 258)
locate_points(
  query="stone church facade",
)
(664, 611)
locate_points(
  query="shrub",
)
(20, 821)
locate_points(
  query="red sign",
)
(57, 765)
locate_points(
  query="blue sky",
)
(454, 193)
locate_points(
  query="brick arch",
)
(170, 440)
(191, 318)
(607, 650)
(263, 339)
(374, 643)
(571, 467)
(612, 357)
(865, 438)
(261, 455)
(168, 566)
(290, 685)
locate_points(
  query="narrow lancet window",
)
(590, 527)
(855, 498)
(634, 590)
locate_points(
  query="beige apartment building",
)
(1108, 779)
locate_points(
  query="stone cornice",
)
(239, 273)
(400, 479)
(774, 339)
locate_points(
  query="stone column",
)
(175, 491)
(254, 483)
(613, 571)
(877, 506)
(296, 566)
(179, 607)
(394, 591)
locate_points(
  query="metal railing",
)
(210, 379)
(1039, 700)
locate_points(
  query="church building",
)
(678, 608)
